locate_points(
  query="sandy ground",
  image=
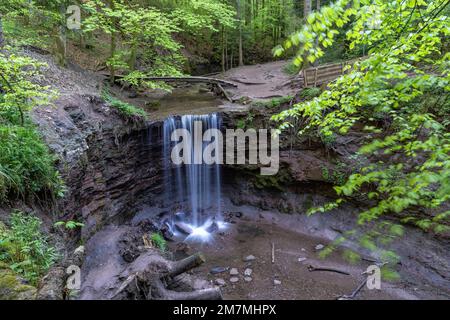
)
(254, 236)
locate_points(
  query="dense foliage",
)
(25, 247)
(399, 93)
(26, 166)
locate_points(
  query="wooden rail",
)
(326, 73)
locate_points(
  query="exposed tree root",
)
(149, 276)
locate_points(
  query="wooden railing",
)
(326, 73)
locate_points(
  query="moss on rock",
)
(12, 287)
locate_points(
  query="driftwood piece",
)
(158, 291)
(273, 252)
(312, 269)
(354, 293)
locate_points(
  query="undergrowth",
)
(125, 109)
(25, 248)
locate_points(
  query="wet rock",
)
(248, 272)
(276, 282)
(301, 259)
(249, 258)
(78, 256)
(184, 228)
(52, 285)
(248, 279)
(217, 270)
(319, 247)
(213, 227)
(220, 282)
(182, 248)
(12, 287)
(234, 272)
(234, 279)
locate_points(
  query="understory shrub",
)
(26, 166)
(25, 248)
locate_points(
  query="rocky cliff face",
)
(108, 164)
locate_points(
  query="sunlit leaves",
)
(407, 65)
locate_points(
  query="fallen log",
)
(183, 79)
(187, 264)
(159, 292)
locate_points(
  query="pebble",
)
(234, 272)
(217, 270)
(220, 282)
(320, 247)
(248, 272)
(234, 279)
(248, 279)
(249, 258)
(303, 249)
(276, 282)
(301, 259)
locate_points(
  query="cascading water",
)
(193, 189)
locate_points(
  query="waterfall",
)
(194, 188)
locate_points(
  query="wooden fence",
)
(326, 73)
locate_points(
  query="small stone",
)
(217, 270)
(301, 259)
(248, 272)
(234, 279)
(248, 279)
(319, 247)
(220, 282)
(303, 249)
(276, 282)
(249, 258)
(234, 272)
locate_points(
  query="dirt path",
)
(261, 81)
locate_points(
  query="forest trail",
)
(261, 81)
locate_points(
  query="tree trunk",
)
(223, 49)
(133, 57)
(241, 50)
(113, 45)
(307, 8)
(2, 39)
(61, 45)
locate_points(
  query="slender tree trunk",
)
(133, 56)
(316, 63)
(307, 8)
(2, 38)
(241, 50)
(306, 12)
(223, 49)
(113, 45)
